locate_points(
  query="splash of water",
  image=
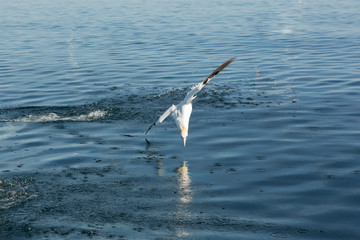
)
(52, 117)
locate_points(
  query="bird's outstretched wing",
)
(219, 69)
(162, 117)
(197, 88)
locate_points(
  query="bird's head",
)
(184, 134)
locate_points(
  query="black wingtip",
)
(150, 128)
(219, 69)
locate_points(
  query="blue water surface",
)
(274, 140)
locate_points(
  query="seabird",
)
(182, 112)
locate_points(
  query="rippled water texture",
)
(274, 142)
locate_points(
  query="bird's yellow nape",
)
(184, 134)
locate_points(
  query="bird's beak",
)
(184, 142)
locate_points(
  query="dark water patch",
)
(15, 192)
(106, 201)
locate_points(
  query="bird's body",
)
(182, 111)
(182, 117)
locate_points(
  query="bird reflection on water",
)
(181, 216)
(183, 213)
(184, 181)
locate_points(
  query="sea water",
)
(274, 141)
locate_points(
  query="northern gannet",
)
(182, 111)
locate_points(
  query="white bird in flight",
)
(182, 112)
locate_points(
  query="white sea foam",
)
(91, 116)
(51, 117)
